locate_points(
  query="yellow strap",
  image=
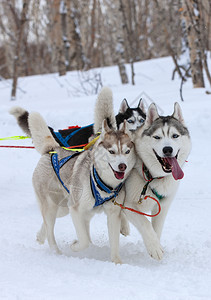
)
(74, 149)
(91, 143)
(15, 138)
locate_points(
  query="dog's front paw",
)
(116, 259)
(125, 227)
(77, 246)
(155, 250)
(41, 237)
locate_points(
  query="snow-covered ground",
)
(30, 271)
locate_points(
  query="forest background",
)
(48, 36)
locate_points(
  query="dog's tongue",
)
(176, 170)
(119, 175)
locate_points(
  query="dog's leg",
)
(114, 223)
(41, 235)
(125, 228)
(158, 221)
(81, 222)
(49, 211)
(150, 238)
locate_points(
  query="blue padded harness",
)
(56, 164)
(105, 188)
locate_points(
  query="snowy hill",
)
(31, 271)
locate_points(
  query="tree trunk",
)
(129, 33)
(59, 44)
(77, 57)
(18, 48)
(194, 40)
(116, 39)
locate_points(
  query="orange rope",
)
(139, 212)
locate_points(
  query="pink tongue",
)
(119, 175)
(176, 170)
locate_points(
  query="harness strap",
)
(99, 200)
(57, 165)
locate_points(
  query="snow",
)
(31, 271)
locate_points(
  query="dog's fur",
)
(112, 150)
(152, 139)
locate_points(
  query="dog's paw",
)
(77, 246)
(116, 259)
(155, 250)
(125, 229)
(40, 238)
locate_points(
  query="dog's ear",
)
(123, 107)
(124, 128)
(178, 113)
(152, 114)
(105, 128)
(141, 106)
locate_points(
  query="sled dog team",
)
(138, 156)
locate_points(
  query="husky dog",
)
(134, 116)
(104, 105)
(162, 145)
(92, 178)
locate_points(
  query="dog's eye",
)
(175, 136)
(156, 137)
(130, 121)
(111, 151)
(127, 152)
(141, 121)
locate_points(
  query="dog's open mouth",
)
(118, 175)
(170, 164)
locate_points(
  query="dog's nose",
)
(122, 167)
(168, 151)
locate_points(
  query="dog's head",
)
(135, 117)
(114, 154)
(163, 143)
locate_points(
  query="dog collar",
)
(148, 177)
(96, 181)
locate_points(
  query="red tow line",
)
(139, 212)
(26, 147)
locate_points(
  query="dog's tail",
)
(104, 110)
(21, 116)
(41, 135)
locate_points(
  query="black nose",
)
(167, 151)
(122, 167)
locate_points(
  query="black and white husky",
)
(135, 117)
(162, 145)
(83, 184)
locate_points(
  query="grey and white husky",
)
(93, 179)
(162, 145)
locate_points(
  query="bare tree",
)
(78, 59)
(192, 16)
(22, 22)
(115, 24)
(129, 33)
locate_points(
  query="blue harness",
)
(103, 187)
(57, 165)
